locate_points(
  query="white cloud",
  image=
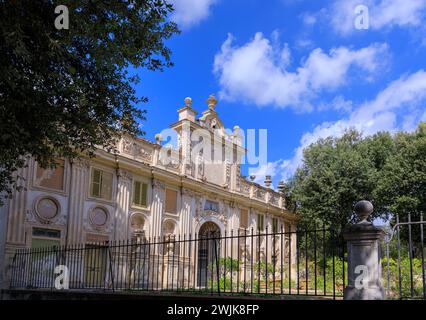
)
(190, 12)
(339, 103)
(271, 168)
(403, 98)
(382, 14)
(256, 72)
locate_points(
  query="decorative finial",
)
(158, 138)
(268, 181)
(211, 102)
(363, 209)
(281, 187)
(252, 177)
(188, 102)
(236, 130)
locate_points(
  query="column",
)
(364, 268)
(17, 208)
(157, 208)
(4, 210)
(124, 187)
(80, 181)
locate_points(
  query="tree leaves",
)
(63, 92)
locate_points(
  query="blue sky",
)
(299, 69)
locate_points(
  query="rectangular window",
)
(52, 178)
(171, 201)
(211, 205)
(260, 222)
(140, 192)
(46, 233)
(44, 238)
(243, 219)
(274, 225)
(101, 184)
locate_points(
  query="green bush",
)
(393, 283)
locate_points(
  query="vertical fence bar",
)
(289, 259)
(251, 264)
(281, 258)
(315, 258)
(306, 262)
(343, 260)
(225, 260)
(410, 254)
(399, 257)
(333, 243)
(298, 259)
(245, 260)
(258, 260)
(423, 256)
(274, 261)
(324, 259)
(239, 260)
(232, 260)
(266, 260)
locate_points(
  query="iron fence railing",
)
(299, 262)
(404, 260)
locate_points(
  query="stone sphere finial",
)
(281, 187)
(158, 138)
(188, 102)
(268, 181)
(363, 209)
(211, 102)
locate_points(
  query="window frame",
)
(247, 218)
(137, 205)
(100, 198)
(37, 186)
(176, 204)
(260, 216)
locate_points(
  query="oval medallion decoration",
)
(98, 217)
(47, 209)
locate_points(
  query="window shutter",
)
(96, 183)
(52, 178)
(274, 225)
(171, 201)
(260, 222)
(137, 193)
(106, 187)
(144, 193)
(243, 219)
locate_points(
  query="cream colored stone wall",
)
(138, 159)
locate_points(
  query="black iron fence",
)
(299, 262)
(403, 263)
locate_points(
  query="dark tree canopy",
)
(62, 92)
(389, 170)
(336, 173)
(402, 185)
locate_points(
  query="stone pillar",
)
(15, 222)
(4, 214)
(17, 209)
(158, 199)
(124, 185)
(80, 183)
(364, 269)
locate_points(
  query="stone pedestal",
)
(364, 268)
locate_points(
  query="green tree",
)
(335, 174)
(63, 92)
(402, 186)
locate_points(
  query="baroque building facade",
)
(132, 193)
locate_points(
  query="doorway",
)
(208, 253)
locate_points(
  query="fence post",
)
(364, 267)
